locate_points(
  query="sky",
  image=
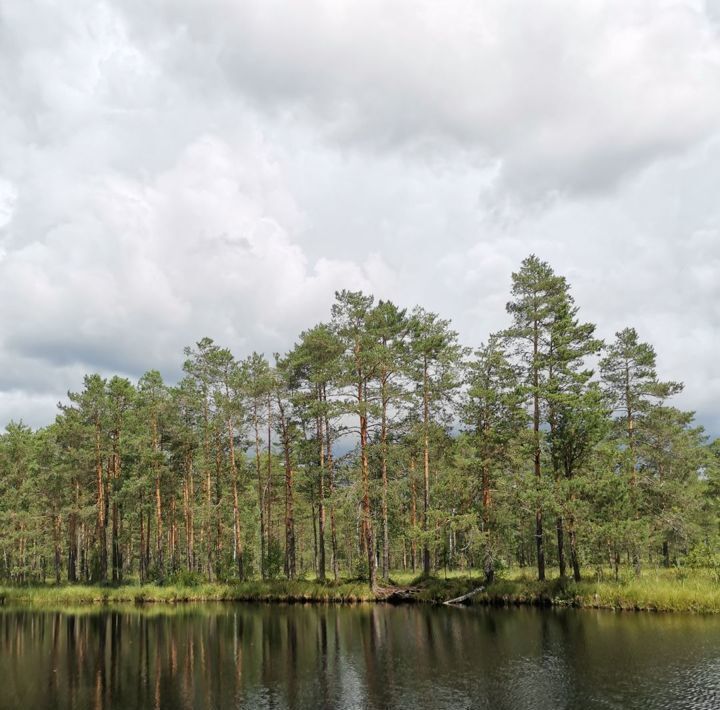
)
(174, 169)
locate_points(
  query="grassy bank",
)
(661, 590)
(656, 590)
(271, 591)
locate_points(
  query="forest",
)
(377, 443)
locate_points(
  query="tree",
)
(632, 386)
(358, 420)
(258, 382)
(575, 410)
(209, 367)
(121, 400)
(153, 401)
(91, 408)
(285, 384)
(493, 413)
(350, 313)
(389, 327)
(539, 296)
(315, 366)
(671, 455)
(435, 355)
(631, 382)
(580, 422)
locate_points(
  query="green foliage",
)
(706, 556)
(376, 442)
(185, 578)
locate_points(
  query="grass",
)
(271, 591)
(655, 590)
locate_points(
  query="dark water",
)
(252, 656)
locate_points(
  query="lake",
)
(365, 656)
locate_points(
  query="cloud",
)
(562, 97)
(203, 245)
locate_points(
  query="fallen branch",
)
(464, 597)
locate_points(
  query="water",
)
(255, 656)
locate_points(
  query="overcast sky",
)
(172, 169)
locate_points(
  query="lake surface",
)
(271, 656)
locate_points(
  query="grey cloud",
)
(566, 97)
(171, 170)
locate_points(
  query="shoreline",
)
(644, 595)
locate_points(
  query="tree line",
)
(376, 443)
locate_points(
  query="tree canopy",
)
(377, 442)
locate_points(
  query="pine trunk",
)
(237, 541)
(331, 487)
(384, 473)
(539, 543)
(321, 495)
(426, 470)
(290, 559)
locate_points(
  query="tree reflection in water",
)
(273, 656)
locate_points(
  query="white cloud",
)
(177, 169)
(563, 96)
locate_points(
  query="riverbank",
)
(297, 591)
(696, 591)
(656, 590)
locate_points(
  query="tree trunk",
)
(560, 545)
(172, 543)
(142, 570)
(365, 471)
(115, 543)
(237, 542)
(538, 472)
(147, 542)
(331, 486)
(290, 558)
(384, 471)
(426, 470)
(188, 497)
(315, 537)
(158, 498)
(321, 495)
(413, 514)
(633, 463)
(488, 557)
(57, 523)
(261, 498)
(207, 526)
(218, 546)
(268, 485)
(574, 561)
(73, 538)
(100, 524)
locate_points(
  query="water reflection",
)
(254, 656)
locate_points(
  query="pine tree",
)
(494, 415)
(539, 297)
(390, 328)
(630, 379)
(358, 363)
(435, 358)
